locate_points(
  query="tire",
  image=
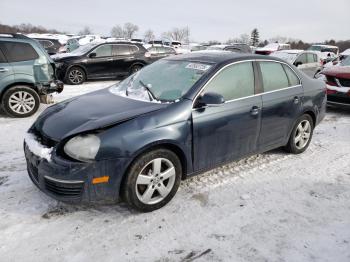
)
(20, 101)
(135, 68)
(301, 135)
(147, 191)
(75, 76)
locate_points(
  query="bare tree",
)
(86, 31)
(117, 31)
(130, 29)
(149, 35)
(178, 34)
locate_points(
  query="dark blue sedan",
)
(175, 118)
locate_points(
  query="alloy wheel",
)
(302, 134)
(76, 76)
(21, 102)
(155, 181)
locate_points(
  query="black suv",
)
(104, 60)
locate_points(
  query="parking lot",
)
(268, 207)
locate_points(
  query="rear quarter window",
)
(17, 52)
(293, 78)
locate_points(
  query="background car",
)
(325, 48)
(173, 119)
(238, 48)
(338, 83)
(309, 62)
(159, 51)
(27, 75)
(104, 60)
(270, 48)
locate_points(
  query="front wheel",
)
(301, 135)
(153, 180)
(75, 76)
(21, 101)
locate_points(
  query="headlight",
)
(83, 147)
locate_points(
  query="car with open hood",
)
(175, 118)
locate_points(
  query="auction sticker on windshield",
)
(197, 66)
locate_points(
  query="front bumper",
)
(51, 87)
(71, 182)
(338, 96)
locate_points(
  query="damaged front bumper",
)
(72, 182)
(50, 87)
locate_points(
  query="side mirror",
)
(92, 55)
(210, 99)
(298, 63)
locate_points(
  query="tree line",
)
(182, 34)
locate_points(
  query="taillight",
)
(147, 54)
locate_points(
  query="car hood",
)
(88, 112)
(63, 56)
(338, 71)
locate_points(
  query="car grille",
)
(64, 189)
(44, 140)
(344, 82)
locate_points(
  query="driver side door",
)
(100, 62)
(230, 130)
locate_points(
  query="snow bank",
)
(36, 148)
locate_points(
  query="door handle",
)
(296, 100)
(3, 70)
(255, 110)
(109, 59)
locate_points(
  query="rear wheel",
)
(301, 135)
(21, 101)
(75, 76)
(153, 180)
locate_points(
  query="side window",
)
(310, 58)
(122, 50)
(235, 81)
(273, 75)
(104, 50)
(46, 43)
(2, 58)
(293, 79)
(17, 52)
(302, 59)
(134, 49)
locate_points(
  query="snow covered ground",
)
(269, 207)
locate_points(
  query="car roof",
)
(219, 57)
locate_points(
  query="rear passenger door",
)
(6, 71)
(124, 57)
(282, 103)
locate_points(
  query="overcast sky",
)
(309, 20)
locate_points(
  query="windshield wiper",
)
(150, 93)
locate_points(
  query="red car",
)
(338, 83)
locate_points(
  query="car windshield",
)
(83, 49)
(346, 61)
(162, 81)
(289, 57)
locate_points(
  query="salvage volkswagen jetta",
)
(175, 118)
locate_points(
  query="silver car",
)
(310, 62)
